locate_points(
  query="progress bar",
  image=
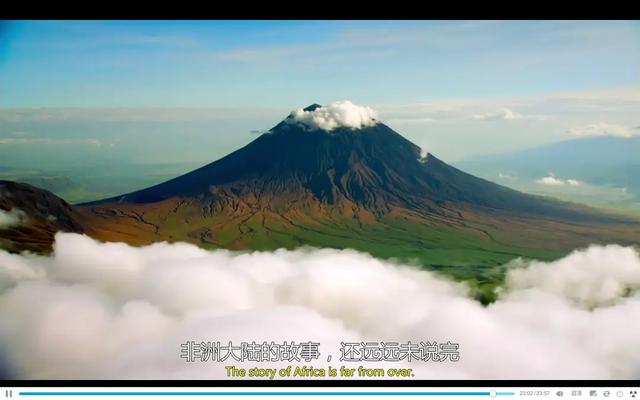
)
(489, 394)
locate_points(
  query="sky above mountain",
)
(175, 91)
(280, 63)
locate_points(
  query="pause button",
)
(8, 393)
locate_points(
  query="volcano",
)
(372, 168)
(335, 176)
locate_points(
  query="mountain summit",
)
(339, 114)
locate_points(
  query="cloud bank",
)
(603, 129)
(339, 114)
(505, 114)
(108, 310)
(551, 180)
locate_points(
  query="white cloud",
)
(506, 176)
(551, 180)
(108, 310)
(13, 217)
(581, 276)
(602, 129)
(505, 114)
(572, 108)
(336, 115)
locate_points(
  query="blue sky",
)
(292, 63)
(179, 91)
